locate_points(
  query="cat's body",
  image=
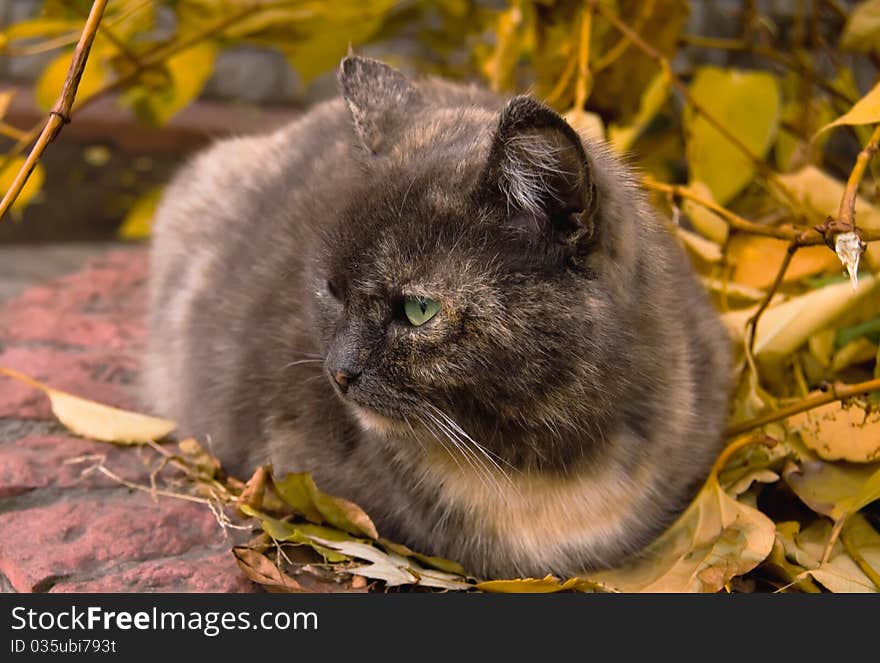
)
(571, 340)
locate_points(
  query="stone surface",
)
(64, 525)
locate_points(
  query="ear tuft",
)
(377, 97)
(538, 168)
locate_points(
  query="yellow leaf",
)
(862, 30)
(510, 43)
(187, 74)
(757, 260)
(836, 490)
(653, 99)
(714, 540)
(6, 99)
(838, 433)
(786, 326)
(299, 491)
(822, 193)
(47, 89)
(859, 351)
(746, 103)
(546, 585)
(31, 187)
(96, 421)
(840, 574)
(865, 111)
(39, 27)
(140, 217)
(708, 223)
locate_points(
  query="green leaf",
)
(862, 30)
(865, 111)
(747, 104)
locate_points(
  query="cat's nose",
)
(343, 377)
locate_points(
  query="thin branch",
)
(834, 392)
(847, 214)
(615, 52)
(739, 223)
(60, 113)
(661, 60)
(752, 324)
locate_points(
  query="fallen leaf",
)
(785, 326)
(714, 540)
(546, 585)
(835, 490)
(96, 421)
(835, 432)
(301, 493)
(840, 574)
(757, 260)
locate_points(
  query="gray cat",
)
(449, 308)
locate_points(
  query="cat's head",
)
(459, 291)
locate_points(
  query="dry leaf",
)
(96, 421)
(301, 493)
(714, 540)
(834, 490)
(757, 260)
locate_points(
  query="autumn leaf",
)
(31, 188)
(865, 111)
(726, 94)
(96, 421)
(714, 540)
(838, 433)
(300, 492)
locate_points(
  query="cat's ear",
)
(538, 171)
(377, 96)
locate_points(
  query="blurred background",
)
(166, 76)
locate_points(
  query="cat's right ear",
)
(377, 97)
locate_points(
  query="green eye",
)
(420, 309)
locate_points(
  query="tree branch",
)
(736, 222)
(661, 60)
(833, 392)
(60, 113)
(847, 214)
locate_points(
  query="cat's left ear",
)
(378, 98)
(539, 171)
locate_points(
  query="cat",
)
(449, 308)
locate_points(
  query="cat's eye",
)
(419, 310)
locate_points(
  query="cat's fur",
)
(573, 343)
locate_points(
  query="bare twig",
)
(741, 224)
(60, 113)
(615, 52)
(833, 392)
(847, 214)
(752, 324)
(736, 445)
